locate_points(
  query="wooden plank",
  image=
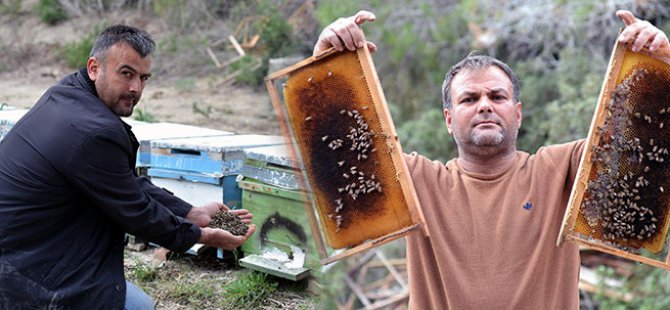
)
(617, 252)
(404, 295)
(197, 249)
(369, 245)
(257, 262)
(391, 269)
(213, 57)
(236, 45)
(357, 290)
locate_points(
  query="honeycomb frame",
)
(618, 204)
(347, 149)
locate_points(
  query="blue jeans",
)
(137, 299)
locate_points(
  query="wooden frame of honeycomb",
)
(332, 111)
(619, 203)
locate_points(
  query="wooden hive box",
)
(332, 109)
(620, 200)
(200, 161)
(147, 132)
(282, 225)
(272, 165)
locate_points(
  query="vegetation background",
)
(559, 48)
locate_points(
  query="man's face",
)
(484, 118)
(119, 79)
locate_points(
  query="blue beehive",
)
(215, 161)
(147, 132)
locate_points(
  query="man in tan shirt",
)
(493, 212)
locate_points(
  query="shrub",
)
(76, 53)
(51, 11)
(249, 290)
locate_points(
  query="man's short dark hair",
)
(473, 62)
(138, 39)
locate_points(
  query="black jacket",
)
(67, 195)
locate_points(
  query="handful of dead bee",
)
(625, 201)
(230, 222)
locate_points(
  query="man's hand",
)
(345, 33)
(644, 37)
(201, 216)
(223, 239)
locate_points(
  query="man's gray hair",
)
(473, 62)
(138, 39)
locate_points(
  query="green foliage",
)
(10, 7)
(249, 290)
(648, 286)
(431, 127)
(143, 272)
(195, 293)
(328, 286)
(76, 53)
(251, 70)
(144, 116)
(206, 111)
(277, 39)
(329, 11)
(561, 59)
(185, 84)
(558, 105)
(275, 30)
(51, 11)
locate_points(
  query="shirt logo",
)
(527, 206)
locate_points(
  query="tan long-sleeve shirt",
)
(492, 238)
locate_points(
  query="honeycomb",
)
(627, 196)
(346, 153)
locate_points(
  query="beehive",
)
(619, 202)
(334, 110)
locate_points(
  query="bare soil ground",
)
(230, 107)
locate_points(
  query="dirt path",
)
(192, 101)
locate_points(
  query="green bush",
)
(249, 290)
(144, 116)
(143, 272)
(51, 11)
(76, 53)
(648, 286)
(250, 73)
(10, 7)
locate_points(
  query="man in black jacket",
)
(68, 192)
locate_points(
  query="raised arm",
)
(345, 33)
(645, 37)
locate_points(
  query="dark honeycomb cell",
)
(625, 202)
(346, 153)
